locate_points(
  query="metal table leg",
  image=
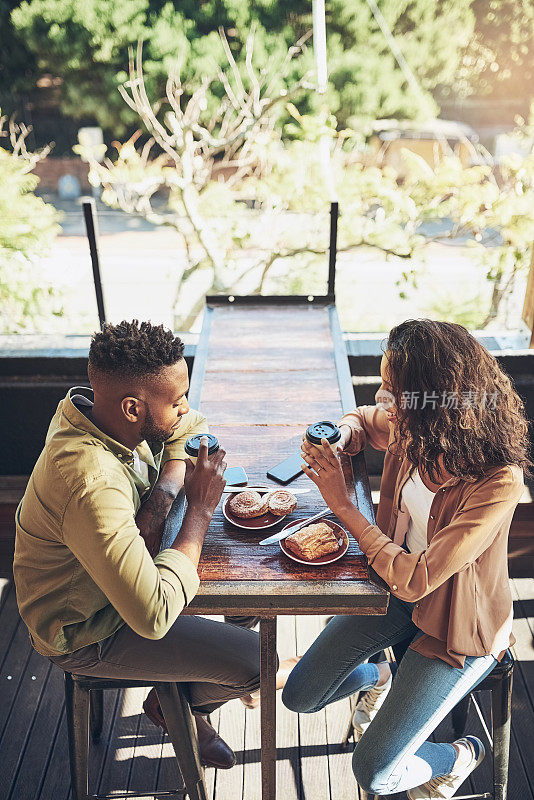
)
(268, 666)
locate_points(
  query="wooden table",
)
(262, 373)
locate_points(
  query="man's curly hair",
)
(134, 350)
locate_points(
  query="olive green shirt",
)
(81, 567)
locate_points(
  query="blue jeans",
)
(393, 754)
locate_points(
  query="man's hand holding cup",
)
(204, 482)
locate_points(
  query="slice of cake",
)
(313, 541)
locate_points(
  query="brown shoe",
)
(214, 752)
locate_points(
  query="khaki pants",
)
(217, 661)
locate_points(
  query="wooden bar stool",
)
(84, 706)
(499, 683)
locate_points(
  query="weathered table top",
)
(261, 375)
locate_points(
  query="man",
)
(96, 595)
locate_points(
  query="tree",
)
(365, 78)
(268, 216)
(499, 59)
(17, 63)
(264, 226)
(28, 228)
(85, 44)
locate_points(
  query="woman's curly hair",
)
(134, 350)
(468, 410)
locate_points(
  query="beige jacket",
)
(81, 567)
(459, 584)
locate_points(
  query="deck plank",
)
(23, 712)
(312, 727)
(34, 743)
(229, 782)
(13, 669)
(288, 771)
(146, 757)
(56, 780)
(34, 758)
(115, 774)
(252, 776)
(9, 623)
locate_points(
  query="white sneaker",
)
(471, 754)
(367, 707)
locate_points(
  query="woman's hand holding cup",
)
(323, 467)
(354, 436)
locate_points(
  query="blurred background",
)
(213, 137)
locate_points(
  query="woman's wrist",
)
(352, 517)
(347, 435)
(344, 509)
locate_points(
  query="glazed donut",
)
(246, 504)
(281, 502)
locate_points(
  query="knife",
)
(263, 489)
(294, 528)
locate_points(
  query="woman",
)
(455, 437)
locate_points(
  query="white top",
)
(418, 499)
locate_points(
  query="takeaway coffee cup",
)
(193, 444)
(324, 430)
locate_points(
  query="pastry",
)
(247, 504)
(264, 504)
(281, 502)
(313, 541)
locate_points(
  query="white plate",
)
(322, 560)
(268, 520)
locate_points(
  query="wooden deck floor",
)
(132, 755)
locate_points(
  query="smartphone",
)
(287, 470)
(235, 476)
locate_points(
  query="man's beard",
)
(152, 432)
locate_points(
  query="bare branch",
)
(256, 88)
(17, 134)
(233, 65)
(174, 92)
(228, 89)
(293, 51)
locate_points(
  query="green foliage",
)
(17, 63)
(499, 60)
(264, 227)
(471, 312)
(365, 77)
(28, 228)
(86, 45)
(494, 214)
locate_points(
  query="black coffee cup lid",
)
(193, 444)
(323, 430)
